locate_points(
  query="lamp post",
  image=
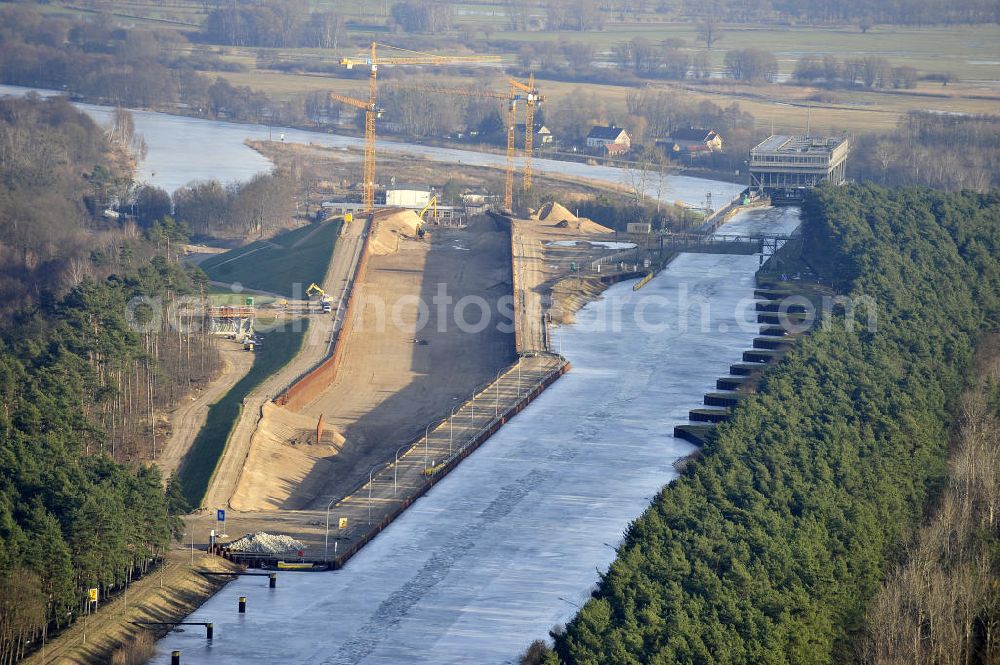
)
(451, 430)
(326, 540)
(497, 382)
(426, 430)
(371, 473)
(395, 466)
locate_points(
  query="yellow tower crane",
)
(372, 111)
(531, 98)
(372, 61)
(512, 97)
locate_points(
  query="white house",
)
(601, 136)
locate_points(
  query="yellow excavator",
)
(431, 205)
(315, 290)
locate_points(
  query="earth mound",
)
(389, 226)
(562, 218)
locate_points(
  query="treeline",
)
(123, 67)
(949, 152)
(771, 545)
(92, 345)
(59, 174)
(521, 15)
(283, 24)
(71, 517)
(870, 71)
(943, 605)
(47, 150)
(259, 207)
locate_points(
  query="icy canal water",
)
(510, 543)
(184, 149)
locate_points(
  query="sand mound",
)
(564, 219)
(554, 212)
(281, 425)
(389, 226)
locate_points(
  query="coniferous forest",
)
(81, 372)
(773, 544)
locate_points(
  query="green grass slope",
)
(277, 264)
(278, 347)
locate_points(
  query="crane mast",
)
(372, 61)
(512, 98)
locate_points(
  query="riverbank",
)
(165, 595)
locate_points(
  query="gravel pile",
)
(265, 543)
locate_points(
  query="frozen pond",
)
(509, 544)
(183, 149)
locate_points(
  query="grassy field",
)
(276, 265)
(221, 297)
(969, 52)
(277, 348)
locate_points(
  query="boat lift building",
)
(783, 167)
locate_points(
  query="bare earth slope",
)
(314, 349)
(394, 378)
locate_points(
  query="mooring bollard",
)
(209, 630)
(273, 580)
(175, 658)
(243, 604)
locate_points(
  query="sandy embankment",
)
(395, 376)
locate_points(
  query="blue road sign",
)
(220, 515)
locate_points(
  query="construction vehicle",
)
(325, 301)
(431, 205)
(518, 93)
(372, 61)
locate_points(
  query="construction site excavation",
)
(439, 336)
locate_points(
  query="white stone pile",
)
(265, 543)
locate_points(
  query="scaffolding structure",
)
(232, 321)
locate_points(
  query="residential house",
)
(542, 136)
(691, 142)
(601, 136)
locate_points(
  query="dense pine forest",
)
(772, 545)
(83, 366)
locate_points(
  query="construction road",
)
(315, 347)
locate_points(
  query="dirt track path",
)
(189, 417)
(315, 347)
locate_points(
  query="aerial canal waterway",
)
(509, 544)
(182, 149)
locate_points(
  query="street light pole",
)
(371, 473)
(426, 430)
(326, 540)
(497, 382)
(395, 466)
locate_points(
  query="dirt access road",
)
(315, 348)
(188, 418)
(398, 374)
